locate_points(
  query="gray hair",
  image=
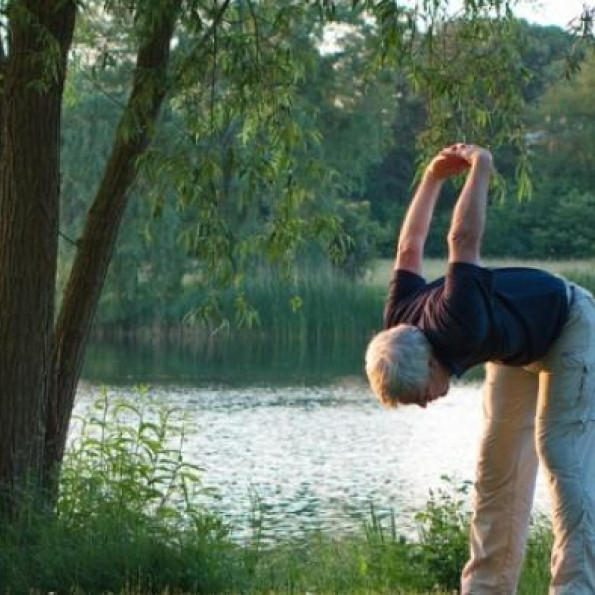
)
(397, 363)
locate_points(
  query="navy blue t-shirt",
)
(475, 314)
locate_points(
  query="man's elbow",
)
(410, 248)
(464, 245)
(463, 237)
(409, 256)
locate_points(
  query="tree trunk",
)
(96, 244)
(40, 363)
(34, 68)
(2, 74)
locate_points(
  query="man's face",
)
(437, 386)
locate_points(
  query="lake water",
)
(314, 450)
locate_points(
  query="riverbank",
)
(305, 329)
(134, 517)
(126, 525)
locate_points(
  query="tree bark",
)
(30, 108)
(2, 75)
(96, 244)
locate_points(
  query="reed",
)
(316, 306)
(319, 309)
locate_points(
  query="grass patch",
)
(381, 270)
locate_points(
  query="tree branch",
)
(210, 32)
(97, 242)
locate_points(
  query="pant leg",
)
(566, 446)
(505, 482)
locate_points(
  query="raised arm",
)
(414, 231)
(468, 218)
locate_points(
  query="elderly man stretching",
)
(536, 332)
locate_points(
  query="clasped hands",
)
(456, 159)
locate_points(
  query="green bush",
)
(443, 527)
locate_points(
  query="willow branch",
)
(214, 73)
(217, 20)
(256, 33)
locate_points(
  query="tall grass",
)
(127, 522)
(319, 305)
(126, 517)
(319, 309)
(316, 307)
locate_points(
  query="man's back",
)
(475, 314)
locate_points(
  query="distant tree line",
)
(557, 219)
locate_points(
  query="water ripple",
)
(320, 457)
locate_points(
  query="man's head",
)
(402, 369)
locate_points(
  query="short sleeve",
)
(462, 277)
(467, 290)
(403, 285)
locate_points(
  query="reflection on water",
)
(317, 456)
(231, 362)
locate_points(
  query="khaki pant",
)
(544, 412)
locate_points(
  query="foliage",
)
(363, 128)
(535, 575)
(443, 527)
(361, 245)
(273, 152)
(245, 167)
(305, 313)
(131, 548)
(558, 131)
(241, 165)
(128, 513)
(569, 230)
(558, 221)
(124, 458)
(564, 116)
